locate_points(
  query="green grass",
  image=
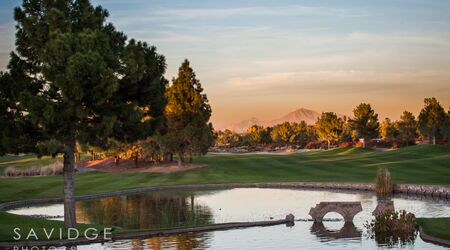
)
(437, 227)
(25, 161)
(8, 222)
(424, 164)
(28, 161)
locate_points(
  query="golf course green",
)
(421, 164)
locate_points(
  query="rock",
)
(290, 217)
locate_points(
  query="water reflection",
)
(348, 231)
(175, 208)
(384, 214)
(150, 210)
(397, 240)
(181, 242)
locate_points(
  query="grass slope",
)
(29, 160)
(25, 161)
(425, 164)
(437, 227)
(8, 222)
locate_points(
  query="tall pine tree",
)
(407, 128)
(432, 120)
(76, 79)
(187, 113)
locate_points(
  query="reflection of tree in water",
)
(180, 242)
(145, 211)
(393, 240)
(391, 228)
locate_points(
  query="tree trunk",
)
(434, 140)
(136, 160)
(93, 155)
(328, 141)
(171, 157)
(117, 159)
(69, 186)
(180, 159)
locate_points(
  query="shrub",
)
(393, 227)
(345, 144)
(55, 168)
(10, 171)
(316, 145)
(358, 144)
(379, 143)
(383, 184)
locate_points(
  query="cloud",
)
(340, 81)
(405, 39)
(183, 14)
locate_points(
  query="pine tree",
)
(187, 113)
(431, 118)
(76, 79)
(407, 128)
(365, 122)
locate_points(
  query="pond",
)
(165, 209)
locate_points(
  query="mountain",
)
(301, 114)
(243, 125)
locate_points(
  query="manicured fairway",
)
(425, 164)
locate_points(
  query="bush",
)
(55, 168)
(393, 227)
(345, 144)
(383, 184)
(316, 145)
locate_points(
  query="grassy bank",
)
(437, 227)
(8, 222)
(29, 161)
(423, 164)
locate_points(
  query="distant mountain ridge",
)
(301, 114)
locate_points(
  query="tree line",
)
(432, 124)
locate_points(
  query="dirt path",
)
(128, 166)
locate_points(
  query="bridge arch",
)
(347, 210)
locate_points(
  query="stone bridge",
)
(348, 210)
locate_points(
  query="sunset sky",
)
(261, 58)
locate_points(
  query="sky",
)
(265, 58)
